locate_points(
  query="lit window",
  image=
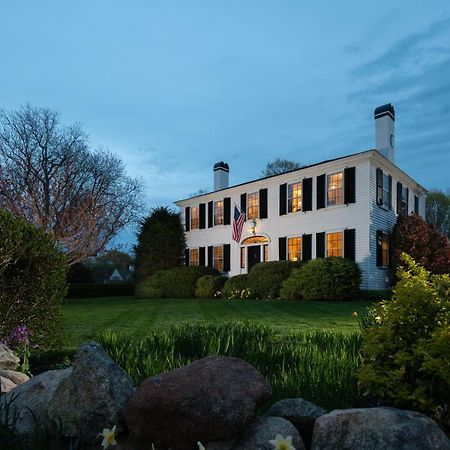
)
(242, 257)
(385, 249)
(335, 189)
(294, 249)
(334, 244)
(295, 197)
(266, 253)
(194, 218)
(253, 206)
(194, 257)
(218, 258)
(218, 213)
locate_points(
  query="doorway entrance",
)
(253, 256)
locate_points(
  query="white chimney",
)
(385, 131)
(221, 171)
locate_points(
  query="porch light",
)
(253, 227)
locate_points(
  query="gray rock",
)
(8, 360)
(211, 399)
(6, 385)
(15, 377)
(258, 435)
(301, 413)
(33, 398)
(377, 428)
(93, 396)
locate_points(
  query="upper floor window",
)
(218, 212)
(335, 243)
(404, 205)
(253, 206)
(335, 189)
(194, 218)
(384, 188)
(194, 257)
(218, 258)
(294, 249)
(294, 197)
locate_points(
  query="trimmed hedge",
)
(266, 278)
(375, 295)
(236, 287)
(87, 290)
(209, 286)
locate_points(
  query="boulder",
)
(93, 396)
(6, 385)
(15, 377)
(377, 428)
(8, 360)
(258, 435)
(301, 413)
(211, 399)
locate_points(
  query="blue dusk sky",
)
(172, 87)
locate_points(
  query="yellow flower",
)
(354, 314)
(109, 437)
(200, 446)
(281, 443)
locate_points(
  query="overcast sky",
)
(173, 87)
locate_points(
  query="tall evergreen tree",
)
(161, 242)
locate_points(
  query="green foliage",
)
(375, 295)
(406, 348)
(265, 278)
(32, 281)
(319, 366)
(151, 287)
(161, 242)
(94, 290)
(329, 278)
(423, 242)
(235, 286)
(209, 286)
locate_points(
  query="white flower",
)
(200, 446)
(109, 437)
(281, 443)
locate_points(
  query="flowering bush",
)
(235, 286)
(208, 286)
(19, 341)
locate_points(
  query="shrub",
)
(330, 278)
(32, 281)
(406, 351)
(88, 290)
(209, 286)
(375, 295)
(151, 287)
(265, 279)
(236, 287)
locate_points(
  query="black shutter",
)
(390, 192)
(306, 247)
(210, 214)
(407, 201)
(227, 211)
(283, 199)
(187, 218)
(416, 204)
(320, 245)
(186, 257)
(349, 185)
(226, 257)
(321, 191)
(379, 193)
(379, 248)
(244, 204)
(201, 256)
(282, 248)
(307, 194)
(349, 244)
(263, 203)
(210, 256)
(202, 214)
(399, 198)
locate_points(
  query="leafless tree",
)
(279, 165)
(50, 176)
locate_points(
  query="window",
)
(335, 244)
(194, 257)
(218, 258)
(265, 253)
(218, 213)
(295, 197)
(253, 206)
(294, 249)
(335, 189)
(194, 218)
(404, 205)
(385, 249)
(242, 257)
(385, 194)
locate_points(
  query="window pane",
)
(295, 197)
(194, 257)
(253, 205)
(294, 249)
(242, 257)
(335, 189)
(335, 244)
(218, 213)
(386, 199)
(194, 218)
(266, 253)
(218, 258)
(385, 249)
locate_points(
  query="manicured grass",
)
(84, 319)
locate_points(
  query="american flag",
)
(238, 224)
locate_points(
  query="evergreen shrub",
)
(210, 286)
(236, 287)
(93, 290)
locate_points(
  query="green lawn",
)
(84, 318)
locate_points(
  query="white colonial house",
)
(344, 207)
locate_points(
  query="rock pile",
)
(9, 378)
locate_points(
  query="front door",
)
(253, 255)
